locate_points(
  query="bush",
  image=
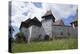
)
(20, 37)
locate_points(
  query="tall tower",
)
(47, 22)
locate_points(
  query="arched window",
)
(46, 37)
(61, 33)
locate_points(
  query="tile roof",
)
(59, 22)
(48, 15)
(30, 22)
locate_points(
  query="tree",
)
(20, 37)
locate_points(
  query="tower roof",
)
(49, 15)
(59, 22)
(30, 22)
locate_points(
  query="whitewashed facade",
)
(48, 27)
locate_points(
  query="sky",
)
(21, 11)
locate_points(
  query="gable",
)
(59, 22)
(31, 22)
(49, 15)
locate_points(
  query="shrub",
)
(20, 37)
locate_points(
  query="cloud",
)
(61, 11)
(25, 13)
(38, 4)
(21, 11)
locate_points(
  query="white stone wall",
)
(57, 30)
(47, 28)
(35, 32)
(26, 32)
(73, 32)
(47, 25)
(31, 34)
(66, 30)
(42, 32)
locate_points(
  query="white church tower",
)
(47, 22)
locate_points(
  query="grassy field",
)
(59, 44)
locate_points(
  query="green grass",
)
(60, 44)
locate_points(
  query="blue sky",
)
(68, 20)
(38, 5)
(21, 11)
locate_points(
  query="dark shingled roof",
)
(49, 15)
(30, 22)
(59, 22)
(75, 21)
